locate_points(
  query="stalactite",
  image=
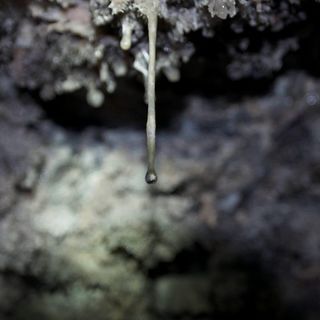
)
(152, 16)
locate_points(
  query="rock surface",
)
(232, 228)
(79, 43)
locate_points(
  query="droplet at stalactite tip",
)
(151, 177)
(152, 16)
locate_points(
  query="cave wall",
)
(232, 228)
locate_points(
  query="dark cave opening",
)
(125, 108)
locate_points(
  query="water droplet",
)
(151, 177)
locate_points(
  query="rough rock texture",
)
(232, 228)
(231, 231)
(79, 42)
